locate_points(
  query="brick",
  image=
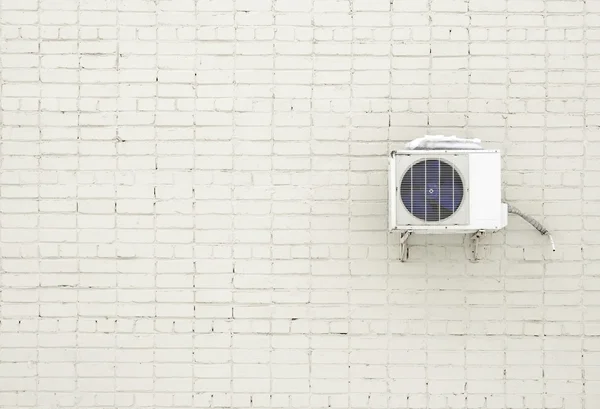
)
(225, 202)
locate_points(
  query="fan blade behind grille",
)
(431, 190)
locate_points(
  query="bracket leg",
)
(475, 245)
(404, 245)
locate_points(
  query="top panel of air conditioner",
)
(446, 191)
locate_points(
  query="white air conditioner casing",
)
(477, 172)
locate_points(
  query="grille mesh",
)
(431, 190)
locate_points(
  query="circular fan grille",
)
(431, 190)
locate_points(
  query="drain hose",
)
(538, 226)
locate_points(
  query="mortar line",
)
(544, 164)
(582, 196)
(115, 190)
(312, 195)
(272, 217)
(39, 162)
(232, 141)
(389, 239)
(155, 183)
(197, 63)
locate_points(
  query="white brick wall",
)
(193, 204)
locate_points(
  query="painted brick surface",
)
(193, 204)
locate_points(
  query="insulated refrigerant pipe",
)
(538, 226)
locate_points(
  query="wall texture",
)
(193, 204)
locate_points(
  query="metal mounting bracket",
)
(404, 245)
(475, 243)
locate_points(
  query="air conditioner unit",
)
(446, 191)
